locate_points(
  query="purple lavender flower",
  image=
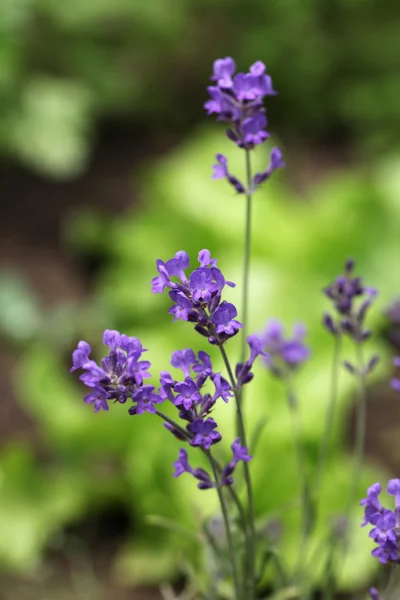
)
(184, 360)
(224, 319)
(202, 284)
(253, 130)
(197, 298)
(281, 355)
(243, 371)
(238, 100)
(146, 398)
(80, 356)
(182, 466)
(188, 394)
(221, 172)
(240, 453)
(385, 522)
(276, 162)
(344, 293)
(203, 363)
(222, 388)
(120, 375)
(204, 434)
(97, 397)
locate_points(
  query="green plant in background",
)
(336, 66)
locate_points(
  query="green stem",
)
(231, 548)
(242, 434)
(391, 581)
(247, 249)
(217, 466)
(307, 510)
(359, 443)
(360, 429)
(329, 416)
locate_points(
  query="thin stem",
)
(360, 428)
(228, 532)
(217, 466)
(242, 433)
(390, 582)
(329, 416)
(359, 442)
(307, 510)
(247, 250)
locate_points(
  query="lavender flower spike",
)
(238, 100)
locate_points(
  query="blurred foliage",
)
(66, 65)
(299, 245)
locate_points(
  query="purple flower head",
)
(253, 130)
(221, 172)
(184, 360)
(276, 162)
(238, 100)
(240, 453)
(112, 339)
(121, 373)
(203, 363)
(385, 522)
(97, 397)
(204, 434)
(182, 464)
(222, 388)
(244, 370)
(373, 592)
(202, 284)
(284, 354)
(145, 399)
(80, 356)
(205, 260)
(182, 308)
(158, 284)
(176, 266)
(137, 369)
(351, 300)
(224, 319)
(224, 68)
(188, 394)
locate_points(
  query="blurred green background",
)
(106, 159)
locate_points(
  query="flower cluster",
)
(238, 100)
(282, 355)
(197, 297)
(190, 397)
(240, 453)
(120, 375)
(385, 522)
(344, 293)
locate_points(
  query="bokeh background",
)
(106, 159)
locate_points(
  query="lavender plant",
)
(190, 397)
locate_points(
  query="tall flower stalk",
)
(238, 100)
